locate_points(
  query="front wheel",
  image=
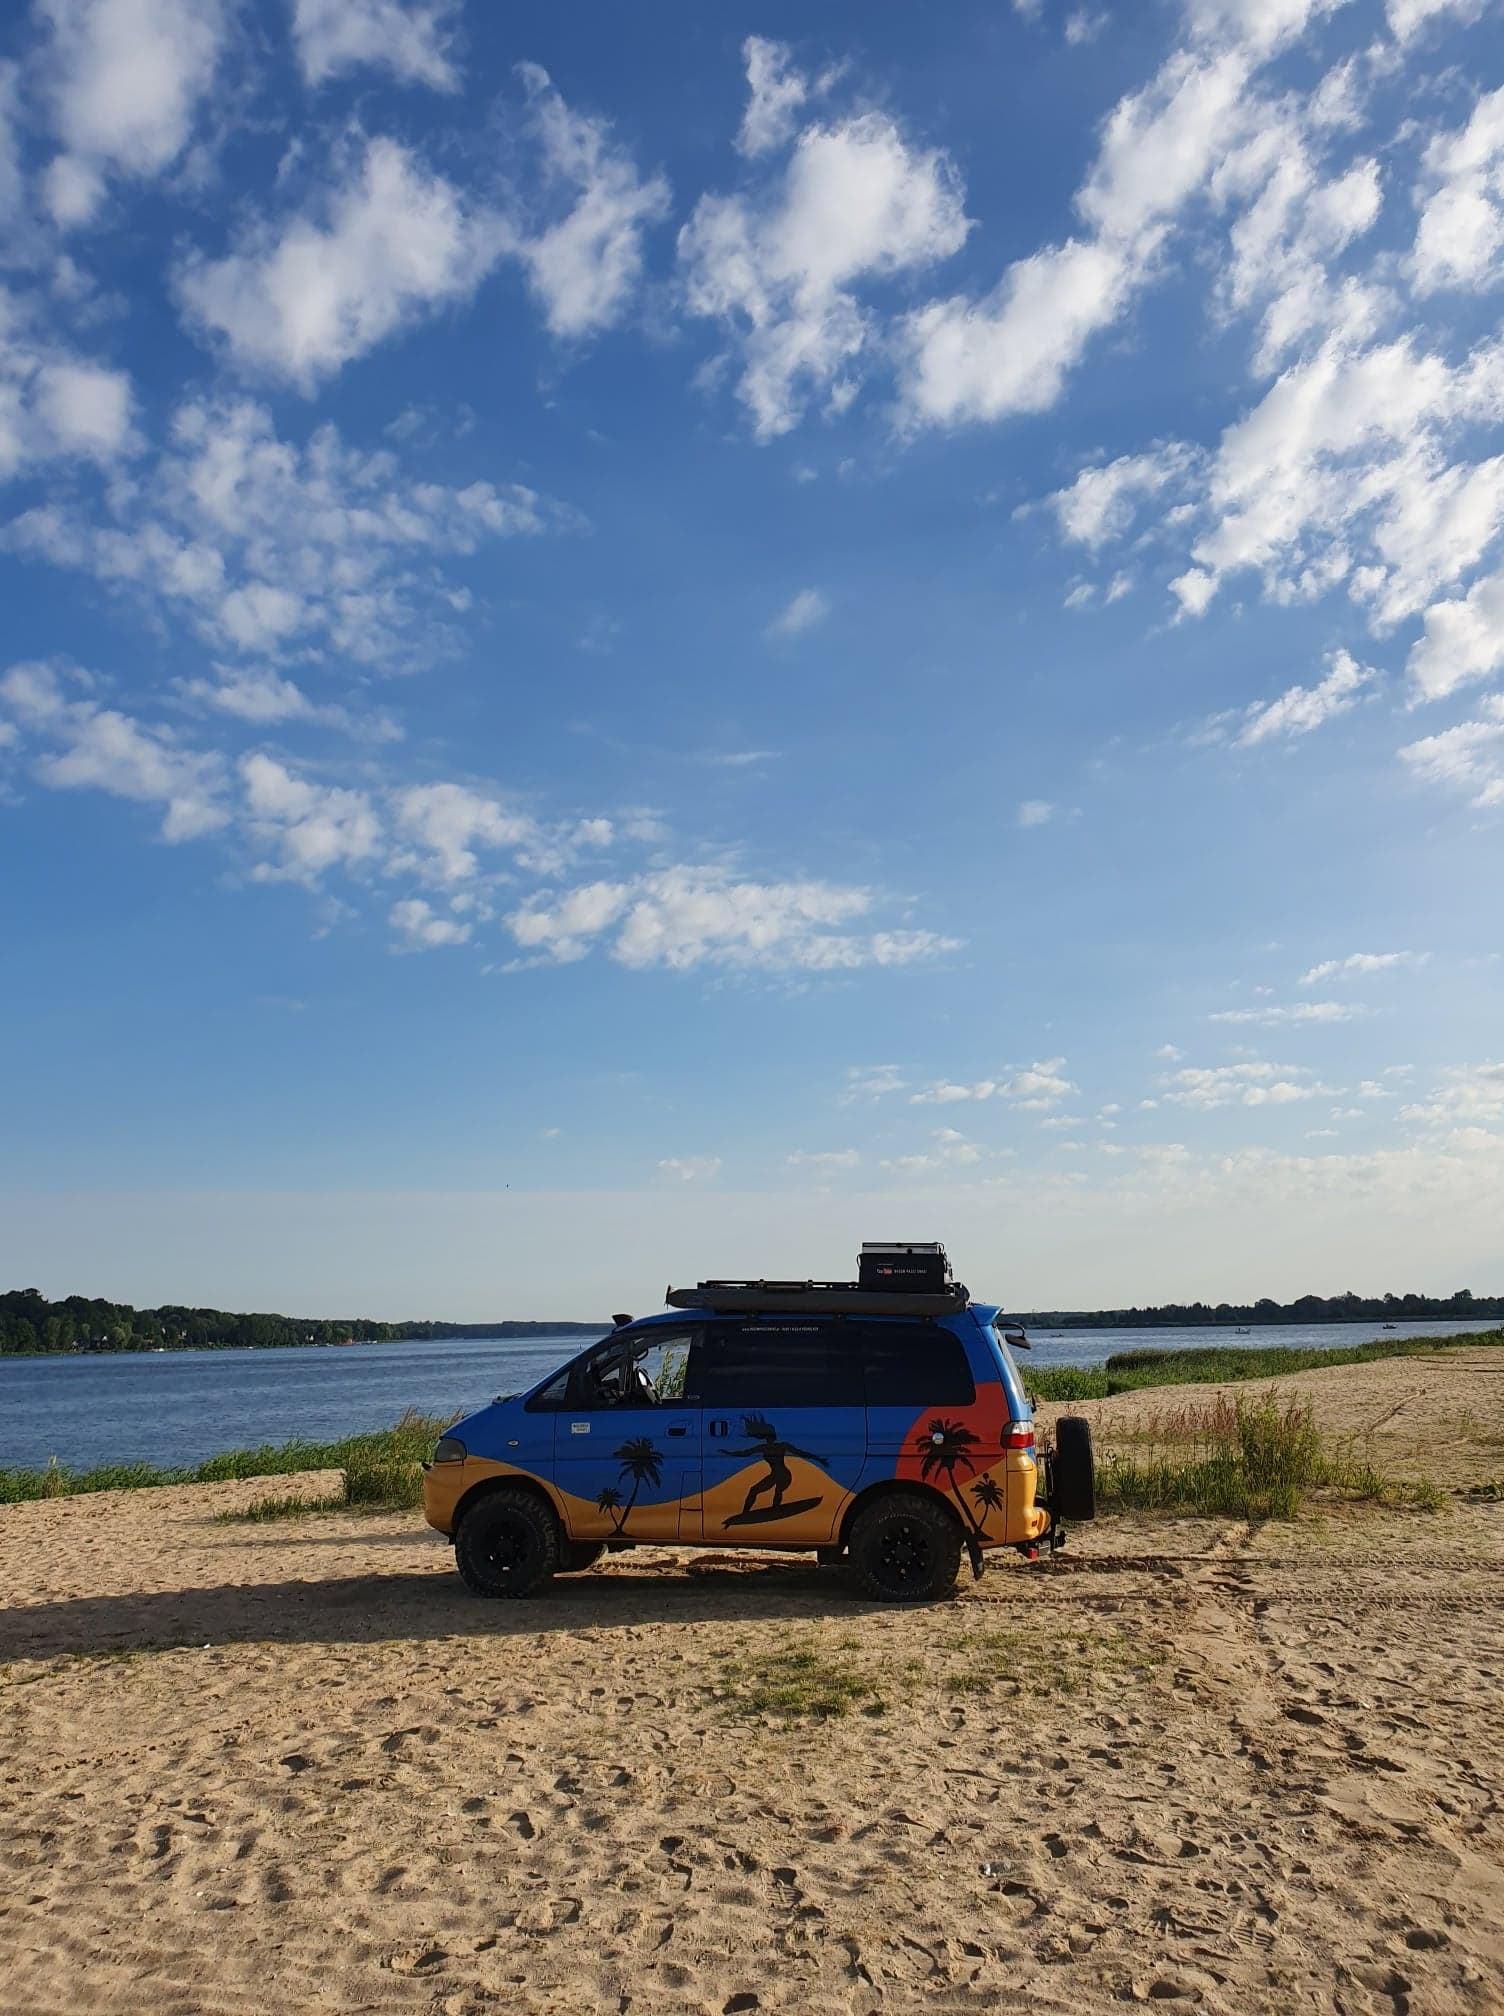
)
(507, 1544)
(905, 1548)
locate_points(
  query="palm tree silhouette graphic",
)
(775, 1454)
(988, 1496)
(942, 1449)
(608, 1499)
(641, 1462)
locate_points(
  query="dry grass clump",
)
(1248, 1459)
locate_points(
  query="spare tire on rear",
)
(1073, 1482)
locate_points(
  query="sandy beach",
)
(293, 1766)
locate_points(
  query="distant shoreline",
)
(79, 1326)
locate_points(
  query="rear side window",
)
(914, 1365)
(767, 1363)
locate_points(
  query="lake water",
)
(177, 1407)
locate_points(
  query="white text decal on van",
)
(579, 1427)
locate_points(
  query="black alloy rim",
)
(903, 1557)
(508, 1549)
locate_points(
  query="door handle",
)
(678, 1428)
(718, 1427)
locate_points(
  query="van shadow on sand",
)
(432, 1604)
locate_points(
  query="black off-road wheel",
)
(1073, 1486)
(905, 1548)
(575, 1556)
(507, 1545)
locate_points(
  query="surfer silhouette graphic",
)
(773, 1452)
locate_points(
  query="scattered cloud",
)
(123, 83)
(806, 611)
(1207, 1087)
(268, 546)
(823, 1161)
(415, 40)
(386, 242)
(1358, 965)
(1300, 709)
(682, 917)
(1468, 757)
(872, 1081)
(776, 92)
(1035, 812)
(420, 928)
(781, 266)
(585, 262)
(1035, 1089)
(1300, 1011)
(949, 1150)
(690, 1168)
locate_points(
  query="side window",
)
(770, 1362)
(650, 1369)
(550, 1398)
(915, 1365)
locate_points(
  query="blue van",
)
(886, 1428)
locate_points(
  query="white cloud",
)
(1300, 1011)
(89, 747)
(267, 545)
(682, 917)
(305, 828)
(823, 1161)
(871, 1081)
(1463, 641)
(415, 41)
(420, 928)
(1035, 1089)
(775, 93)
(1465, 1094)
(445, 824)
(951, 1150)
(1461, 230)
(1035, 812)
(779, 267)
(1207, 1087)
(301, 296)
(1300, 709)
(124, 81)
(1100, 503)
(1468, 757)
(1012, 351)
(585, 265)
(1361, 964)
(690, 1168)
(806, 610)
(1408, 17)
(85, 409)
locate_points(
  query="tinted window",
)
(914, 1365)
(765, 1362)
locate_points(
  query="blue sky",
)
(649, 641)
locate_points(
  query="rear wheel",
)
(507, 1544)
(905, 1548)
(1073, 1493)
(575, 1556)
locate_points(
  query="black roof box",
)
(815, 1298)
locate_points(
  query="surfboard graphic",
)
(761, 1514)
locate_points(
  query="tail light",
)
(1020, 1435)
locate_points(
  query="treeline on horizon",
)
(30, 1326)
(1347, 1308)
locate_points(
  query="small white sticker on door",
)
(579, 1427)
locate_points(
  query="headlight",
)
(449, 1450)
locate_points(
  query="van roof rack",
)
(814, 1298)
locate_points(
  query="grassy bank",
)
(1241, 1458)
(1128, 1371)
(377, 1466)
